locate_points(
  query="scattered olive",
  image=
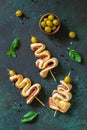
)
(72, 35)
(19, 13)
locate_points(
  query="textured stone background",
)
(73, 15)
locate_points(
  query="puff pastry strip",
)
(24, 84)
(44, 62)
(61, 97)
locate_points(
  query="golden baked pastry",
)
(24, 84)
(61, 97)
(44, 62)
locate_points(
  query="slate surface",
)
(73, 15)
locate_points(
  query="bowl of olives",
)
(49, 23)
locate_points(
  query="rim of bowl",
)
(58, 27)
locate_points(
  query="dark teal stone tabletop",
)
(73, 16)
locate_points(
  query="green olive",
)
(67, 79)
(72, 35)
(33, 39)
(49, 23)
(19, 13)
(55, 22)
(51, 17)
(47, 29)
(54, 27)
(45, 19)
(43, 24)
(11, 72)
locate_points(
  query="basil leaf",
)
(74, 55)
(29, 117)
(15, 44)
(11, 53)
(8, 52)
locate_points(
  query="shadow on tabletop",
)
(56, 72)
(62, 35)
(73, 100)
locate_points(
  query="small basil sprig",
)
(13, 47)
(11, 53)
(74, 55)
(29, 117)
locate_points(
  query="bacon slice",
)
(32, 93)
(65, 85)
(65, 96)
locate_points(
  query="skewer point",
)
(55, 113)
(52, 75)
(40, 101)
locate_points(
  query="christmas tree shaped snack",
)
(59, 101)
(45, 63)
(27, 90)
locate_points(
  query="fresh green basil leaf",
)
(8, 53)
(29, 117)
(11, 53)
(74, 55)
(15, 44)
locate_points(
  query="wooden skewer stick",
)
(52, 75)
(40, 101)
(69, 73)
(55, 113)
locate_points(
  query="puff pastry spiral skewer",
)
(44, 62)
(26, 90)
(61, 97)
